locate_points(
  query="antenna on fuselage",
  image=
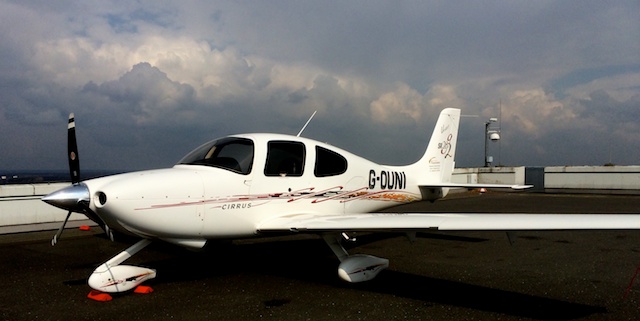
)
(307, 123)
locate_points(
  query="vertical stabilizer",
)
(436, 165)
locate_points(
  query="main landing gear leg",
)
(357, 267)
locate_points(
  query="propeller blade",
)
(55, 237)
(72, 150)
(74, 170)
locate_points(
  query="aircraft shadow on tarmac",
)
(447, 292)
(309, 260)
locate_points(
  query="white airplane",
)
(256, 185)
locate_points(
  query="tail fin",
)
(433, 171)
(436, 165)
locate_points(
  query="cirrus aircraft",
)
(255, 185)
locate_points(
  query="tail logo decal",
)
(445, 147)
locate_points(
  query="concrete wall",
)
(20, 205)
(490, 175)
(592, 179)
(560, 179)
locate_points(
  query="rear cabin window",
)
(232, 153)
(329, 163)
(285, 158)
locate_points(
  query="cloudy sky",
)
(150, 80)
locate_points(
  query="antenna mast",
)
(307, 123)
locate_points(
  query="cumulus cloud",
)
(532, 111)
(621, 87)
(403, 102)
(406, 102)
(145, 93)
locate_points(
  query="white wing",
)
(470, 185)
(315, 223)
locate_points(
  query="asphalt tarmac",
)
(579, 275)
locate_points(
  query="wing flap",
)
(314, 223)
(470, 185)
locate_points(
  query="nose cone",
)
(69, 198)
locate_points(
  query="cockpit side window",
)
(231, 153)
(329, 163)
(285, 158)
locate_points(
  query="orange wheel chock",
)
(143, 289)
(99, 296)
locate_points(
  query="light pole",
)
(489, 134)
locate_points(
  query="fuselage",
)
(250, 185)
(225, 188)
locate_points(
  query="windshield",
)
(231, 153)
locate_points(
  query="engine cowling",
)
(119, 278)
(361, 267)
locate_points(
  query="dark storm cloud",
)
(150, 81)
